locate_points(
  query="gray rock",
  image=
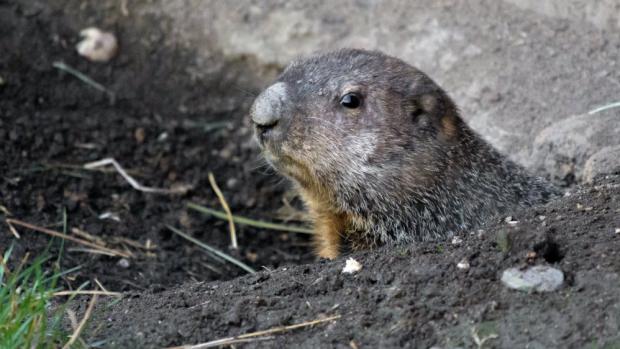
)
(504, 62)
(604, 14)
(565, 147)
(605, 161)
(539, 278)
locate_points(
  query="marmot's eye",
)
(351, 101)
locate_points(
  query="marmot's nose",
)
(269, 106)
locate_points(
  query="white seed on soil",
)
(457, 240)
(540, 278)
(110, 215)
(162, 136)
(463, 264)
(97, 45)
(351, 266)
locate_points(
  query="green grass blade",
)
(213, 250)
(27, 319)
(249, 221)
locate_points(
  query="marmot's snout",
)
(269, 113)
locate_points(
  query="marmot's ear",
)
(432, 108)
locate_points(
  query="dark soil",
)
(414, 296)
(52, 123)
(169, 125)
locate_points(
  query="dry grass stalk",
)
(92, 245)
(92, 251)
(229, 216)
(12, 230)
(87, 236)
(87, 292)
(131, 180)
(78, 330)
(259, 335)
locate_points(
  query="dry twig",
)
(132, 181)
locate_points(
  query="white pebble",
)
(162, 136)
(510, 221)
(351, 266)
(457, 240)
(464, 264)
(97, 45)
(617, 230)
(539, 278)
(123, 263)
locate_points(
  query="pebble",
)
(123, 263)
(351, 266)
(97, 45)
(231, 183)
(162, 137)
(510, 221)
(457, 240)
(464, 264)
(540, 278)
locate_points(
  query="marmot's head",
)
(356, 119)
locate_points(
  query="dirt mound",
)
(414, 296)
(178, 115)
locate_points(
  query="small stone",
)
(464, 264)
(97, 45)
(457, 240)
(226, 153)
(542, 218)
(139, 135)
(351, 266)
(162, 137)
(231, 183)
(123, 263)
(510, 221)
(618, 231)
(539, 278)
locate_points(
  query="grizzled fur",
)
(400, 168)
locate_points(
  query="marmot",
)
(380, 155)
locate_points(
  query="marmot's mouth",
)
(287, 165)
